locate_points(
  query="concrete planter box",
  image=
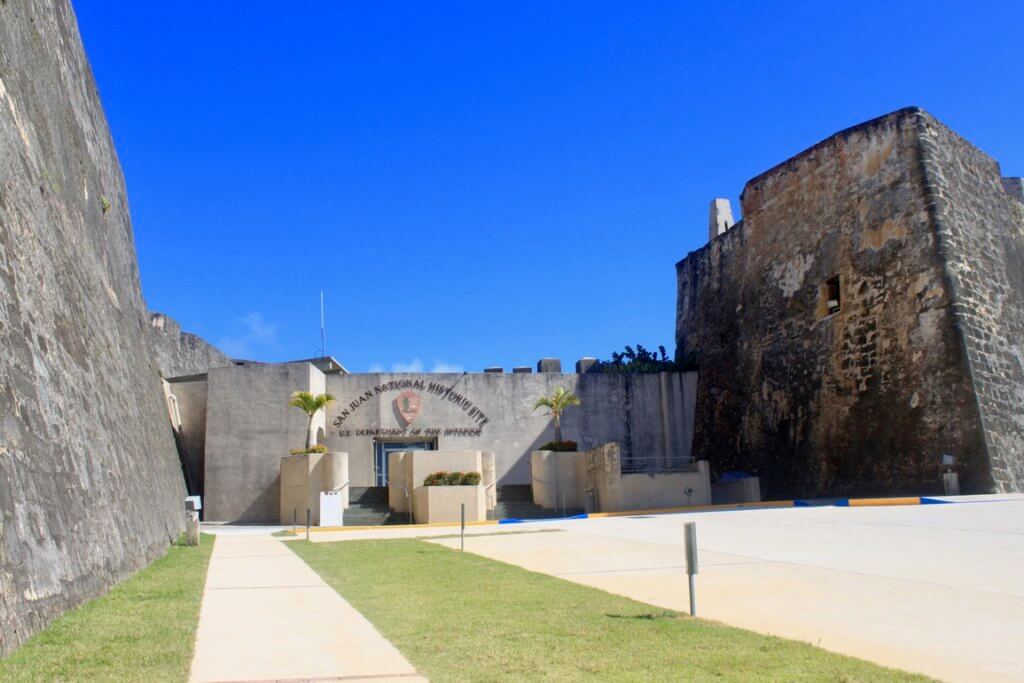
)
(434, 504)
(558, 478)
(304, 478)
(408, 469)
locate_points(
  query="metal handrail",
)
(341, 486)
(655, 464)
(408, 501)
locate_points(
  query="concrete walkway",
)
(267, 616)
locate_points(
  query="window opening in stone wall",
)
(832, 295)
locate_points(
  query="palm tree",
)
(556, 403)
(311, 405)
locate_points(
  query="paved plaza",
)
(937, 589)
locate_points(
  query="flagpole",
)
(323, 331)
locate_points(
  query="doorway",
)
(381, 449)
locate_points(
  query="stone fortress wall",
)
(179, 353)
(979, 222)
(90, 483)
(920, 356)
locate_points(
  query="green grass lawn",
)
(142, 630)
(459, 616)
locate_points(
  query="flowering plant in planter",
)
(452, 479)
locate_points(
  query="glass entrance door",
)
(382, 448)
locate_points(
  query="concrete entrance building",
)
(235, 423)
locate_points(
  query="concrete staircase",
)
(516, 502)
(368, 506)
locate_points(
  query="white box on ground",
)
(330, 508)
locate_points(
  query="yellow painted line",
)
(382, 527)
(867, 502)
(591, 515)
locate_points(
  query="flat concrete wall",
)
(249, 428)
(666, 489)
(650, 415)
(190, 395)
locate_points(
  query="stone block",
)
(549, 365)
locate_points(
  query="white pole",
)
(690, 543)
(323, 331)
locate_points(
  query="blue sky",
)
(478, 184)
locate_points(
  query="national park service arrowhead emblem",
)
(408, 404)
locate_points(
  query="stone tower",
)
(864, 317)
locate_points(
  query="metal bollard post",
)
(307, 524)
(295, 521)
(462, 531)
(690, 534)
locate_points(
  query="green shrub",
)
(435, 479)
(559, 446)
(319, 448)
(452, 479)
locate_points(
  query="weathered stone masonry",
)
(980, 225)
(919, 357)
(179, 353)
(90, 484)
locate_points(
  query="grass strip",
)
(142, 630)
(460, 616)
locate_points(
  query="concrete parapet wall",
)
(594, 480)
(643, 491)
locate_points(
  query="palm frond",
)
(309, 403)
(560, 399)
